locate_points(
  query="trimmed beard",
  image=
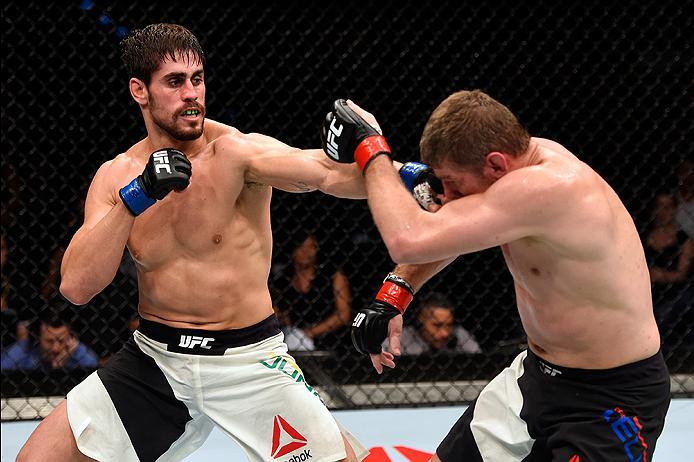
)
(170, 128)
(178, 134)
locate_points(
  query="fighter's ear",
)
(138, 90)
(496, 165)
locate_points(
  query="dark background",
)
(612, 81)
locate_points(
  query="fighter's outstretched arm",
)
(274, 163)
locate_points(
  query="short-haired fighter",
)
(191, 202)
(593, 384)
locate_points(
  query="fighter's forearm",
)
(418, 274)
(93, 256)
(397, 215)
(345, 180)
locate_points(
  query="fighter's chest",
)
(529, 261)
(196, 220)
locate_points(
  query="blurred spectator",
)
(434, 330)
(57, 347)
(312, 298)
(685, 198)
(49, 287)
(8, 315)
(294, 337)
(669, 252)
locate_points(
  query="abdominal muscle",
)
(201, 295)
(202, 280)
(585, 336)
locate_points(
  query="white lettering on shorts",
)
(191, 341)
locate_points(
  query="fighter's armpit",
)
(302, 187)
(255, 186)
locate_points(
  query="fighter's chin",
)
(189, 134)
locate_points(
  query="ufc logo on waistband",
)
(332, 134)
(549, 370)
(191, 341)
(161, 161)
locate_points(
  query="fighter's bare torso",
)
(203, 254)
(582, 283)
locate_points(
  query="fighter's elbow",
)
(403, 249)
(74, 293)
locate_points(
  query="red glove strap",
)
(369, 148)
(395, 295)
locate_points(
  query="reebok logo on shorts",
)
(286, 439)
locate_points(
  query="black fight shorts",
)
(537, 411)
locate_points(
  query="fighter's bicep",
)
(101, 197)
(277, 164)
(99, 201)
(470, 226)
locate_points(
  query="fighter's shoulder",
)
(244, 145)
(535, 180)
(113, 171)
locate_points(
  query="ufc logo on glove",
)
(161, 161)
(331, 145)
(358, 319)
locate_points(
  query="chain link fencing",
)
(609, 80)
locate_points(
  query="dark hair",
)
(435, 299)
(54, 318)
(143, 50)
(467, 126)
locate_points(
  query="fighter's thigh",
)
(459, 441)
(289, 419)
(52, 439)
(612, 434)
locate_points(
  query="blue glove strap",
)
(409, 173)
(135, 198)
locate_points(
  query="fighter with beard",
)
(191, 202)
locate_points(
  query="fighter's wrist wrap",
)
(370, 148)
(396, 292)
(135, 198)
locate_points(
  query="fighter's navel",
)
(217, 238)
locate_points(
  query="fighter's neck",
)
(190, 148)
(532, 156)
